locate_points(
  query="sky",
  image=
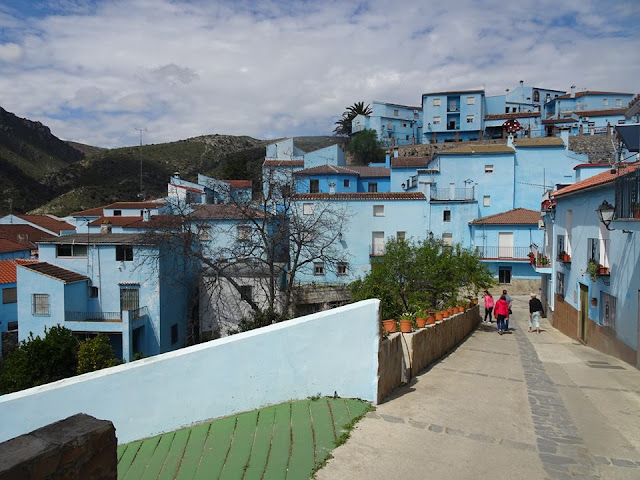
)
(95, 71)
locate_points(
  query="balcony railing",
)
(628, 196)
(92, 317)
(507, 253)
(453, 194)
(139, 313)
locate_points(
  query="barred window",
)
(40, 304)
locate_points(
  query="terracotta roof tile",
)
(453, 92)
(7, 246)
(506, 116)
(137, 205)
(188, 188)
(591, 92)
(48, 222)
(401, 162)
(53, 271)
(360, 196)
(539, 142)
(8, 269)
(551, 121)
(517, 216)
(601, 113)
(283, 163)
(327, 170)
(370, 172)
(596, 180)
(478, 150)
(118, 221)
(92, 212)
(24, 234)
(239, 183)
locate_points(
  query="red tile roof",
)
(156, 221)
(283, 163)
(48, 222)
(401, 162)
(597, 180)
(188, 188)
(506, 116)
(8, 269)
(119, 221)
(24, 234)
(601, 113)
(224, 212)
(53, 271)
(517, 216)
(478, 150)
(7, 246)
(327, 170)
(92, 212)
(539, 142)
(238, 183)
(369, 172)
(551, 121)
(137, 205)
(591, 92)
(360, 196)
(591, 165)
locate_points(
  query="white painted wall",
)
(335, 350)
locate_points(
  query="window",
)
(621, 122)
(471, 100)
(470, 118)
(246, 292)
(446, 216)
(244, 233)
(377, 244)
(607, 310)
(416, 116)
(71, 250)
(486, 200)
(318, 268)
(506, 109)
(560, 245)
(536, 96)
(436, 102)
(314, 186)
(447, 239)
(378, 210)
(124, 253)
(436, 120)
(593, 250)
(10, 295)
(346, 183)
(117, 213)
(372, 187)
(560, 284)
(129, 299)
(205, 233)
(40, 304)
(605, 102)
(343, 268)
(488, 169)
(504, 275)
(396, 113)
(401, 236)
(618, 102)
(404, 125)
(307, 208)
(174, 333)
(93, 292)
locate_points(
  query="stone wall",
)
(76, 448)
(521, 285)
(404, 355)
(598, 147)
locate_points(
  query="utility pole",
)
(141, 194)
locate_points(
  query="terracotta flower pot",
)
(445, 314)
(422, 322)
(437, 317)
(389, 325)
(405, 326)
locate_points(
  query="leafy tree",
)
(343, 126)
(424, 273)
(365, 147)
(96, 353)
(40, 360)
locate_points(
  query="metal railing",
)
(92, 317)
(138, 313)
(512, 253)
(628, 196)
(452, 194)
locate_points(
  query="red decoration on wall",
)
(512, 125)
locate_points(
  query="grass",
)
(287, 441)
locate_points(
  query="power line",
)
(141, 194)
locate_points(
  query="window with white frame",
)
(486, 200)
(343, 268)
(447, 239)
(437, 102)
(10, 295)
(560, 284)
(470, 118)
(471, 100)
(396, 113)
(488, 169)
(605, 102)
(243, 233)
(318, 268)
(372, 187)
(205, 233)
(40, 304)
(307, 208)
(618, 102)
(378, 210)
(621, 122)
(437, 120)
(607, 310)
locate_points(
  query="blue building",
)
(453, 115)
(10, 250)
(395, 125)
(9, 296)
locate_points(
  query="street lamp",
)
(605, 213)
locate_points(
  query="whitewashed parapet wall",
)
(323, 353)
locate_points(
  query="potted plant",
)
(406, 322)
(431, 318)
(389, 325)
(438, 316)
(421, 318)
(593, 268)
(564, 257)
(602, 271)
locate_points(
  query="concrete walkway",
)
(517, 406)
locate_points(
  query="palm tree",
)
(343, 126)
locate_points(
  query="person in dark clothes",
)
(535, 311)
(509, 301)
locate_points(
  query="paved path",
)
(517, 406)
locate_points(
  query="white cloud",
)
(10, 52)
(182, 69)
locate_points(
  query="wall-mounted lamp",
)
(606, 212)
(404, 186)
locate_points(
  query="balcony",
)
(138, 313)
(505, 253)
(453, 194)
(92, 316)
(376, 250)
(628, 196)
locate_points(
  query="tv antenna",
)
(141, 194)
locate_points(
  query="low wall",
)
(77, 448)
(404, 355)
(323, 353)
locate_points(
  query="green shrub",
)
(96, 353)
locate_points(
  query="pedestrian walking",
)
(509, 300)
(488, 306)
(501, 311)
(535, 311)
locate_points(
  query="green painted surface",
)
(274, 443)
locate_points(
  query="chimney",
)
(395, 152)
(387, 159)
(510, 140)
(146, 213)
(522, 83)
(176, 175)
(105, 227)
(573, 91)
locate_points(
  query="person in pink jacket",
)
(488, 306)
(501, 311)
